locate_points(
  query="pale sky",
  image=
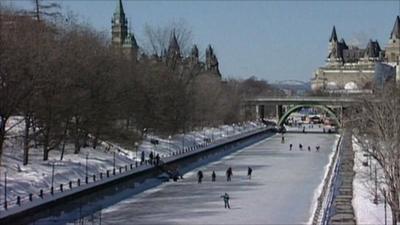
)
(272, 40)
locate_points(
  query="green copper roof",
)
(119, 10)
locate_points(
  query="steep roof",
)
(333, 35)
(395, 34)
(173, 43)
(119, 10)
(373, 49)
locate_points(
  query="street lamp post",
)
(114, 161)
(183, 142)
(136, 149)
(86, 167)
(169, 144)
(52, 175)
(5, 190)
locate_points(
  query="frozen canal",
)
(281, 190)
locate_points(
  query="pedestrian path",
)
(343, 212)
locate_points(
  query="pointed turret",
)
(119, 25)
(333, 35)
(392, 51)
(122, 39)
(174, 52)
(373, 49)
(395, 34)
(212, 64)
(343, 43)
(173, 44)
(195, 51)
(194, 56)
(119, 10)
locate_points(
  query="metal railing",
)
(50, 192)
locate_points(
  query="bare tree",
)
(48, 9)
(378, 130)
(157, 38)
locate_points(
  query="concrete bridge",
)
(285, 106)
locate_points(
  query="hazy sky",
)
(272, 40)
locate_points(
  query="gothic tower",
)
(119, 26)
(212, 64)
(122, 39)
(335, 51)
(173, 54)
(393, 48)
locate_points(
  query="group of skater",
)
(317, 147)
(228, 174)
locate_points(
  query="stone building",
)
(350, 69)
(123, 40)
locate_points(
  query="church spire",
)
(119, 10)
(333, 35)
(174, 52)
(396, 29)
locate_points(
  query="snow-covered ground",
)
(22, 180)
(363, 194)
(281, 191)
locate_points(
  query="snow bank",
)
(22, 180)
(365, 210)
(318, 190)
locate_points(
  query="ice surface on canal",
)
(281, 189)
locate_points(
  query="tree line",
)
(71, 87)
(376, 123)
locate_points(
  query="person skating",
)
(199, 176)
(290, 147)
(249, 171)
(157, 159)
(151, 157)
(226, 200)
(213, 176)
(229, 174)
(142, 158)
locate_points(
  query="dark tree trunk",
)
(3, 121)
(46, 144)
(34, 135)
(26, 139)
(64, 139)
(77, 144)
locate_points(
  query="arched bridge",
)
(285, 106)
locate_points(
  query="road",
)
(281, 191)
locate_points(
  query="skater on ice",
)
(226, 200)
(249, 171)
(199, 176)
(229, 174)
